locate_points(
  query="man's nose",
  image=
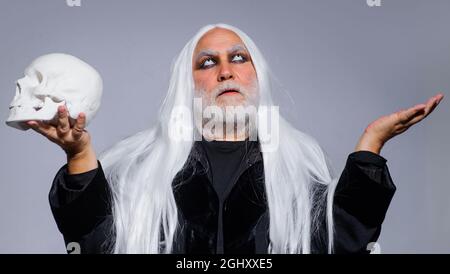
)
(225, 73)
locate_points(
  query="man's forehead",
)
(220, 36)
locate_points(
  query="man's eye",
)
(207, 63)
(238, 58)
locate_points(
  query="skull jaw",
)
(18, 116)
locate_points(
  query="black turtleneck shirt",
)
(225, 159)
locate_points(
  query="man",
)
(164, 191)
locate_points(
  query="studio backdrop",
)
(340, 65)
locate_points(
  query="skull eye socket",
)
(39, 77)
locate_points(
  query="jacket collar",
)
(251, 157)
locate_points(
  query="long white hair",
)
(140, 170)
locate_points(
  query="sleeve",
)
(81, 206)
(362, 197)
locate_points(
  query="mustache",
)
(227, 86)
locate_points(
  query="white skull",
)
(50, 81)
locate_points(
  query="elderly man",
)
(224, 192)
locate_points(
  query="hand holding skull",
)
(57, 97)
(73, 140)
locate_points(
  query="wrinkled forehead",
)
(217, 41)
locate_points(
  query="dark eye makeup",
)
(202, 62)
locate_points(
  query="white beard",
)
(226, 122)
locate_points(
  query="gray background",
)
(343, 63)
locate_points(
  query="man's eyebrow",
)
(209, 52)
(206, 52)
(237, 47)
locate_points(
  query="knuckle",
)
(61, 134)
(77, 129)
(63, 128)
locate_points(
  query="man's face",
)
(221, 62)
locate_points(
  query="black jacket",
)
(82, 210)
